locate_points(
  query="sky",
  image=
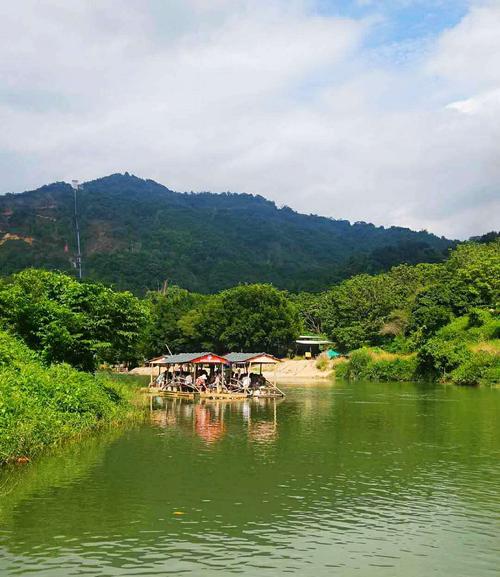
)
(385, 111)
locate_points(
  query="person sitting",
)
(246, 382)
(218, 382)
(160, 380)
(201, 381)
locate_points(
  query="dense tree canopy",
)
(68, 321)
(136, 234)
(249, 318)
(366, 309)
(407, 310)
(169, 328)
(244, 318)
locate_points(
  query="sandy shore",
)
(291, 371)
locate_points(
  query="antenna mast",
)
(78, 260)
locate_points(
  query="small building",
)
(311, 346)
(255, 359)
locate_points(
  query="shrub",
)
(442, 357)
(400, 345)
(359, 361)
(399, 369)
(322, 363)
(342, 370)
(480, 368)
(373, 364)
(41, 406)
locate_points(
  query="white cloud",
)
(267, 97)
(484, 102)
(467, 56)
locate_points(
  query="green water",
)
(363, 479)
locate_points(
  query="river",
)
(360, 479)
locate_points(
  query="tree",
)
(470, 278)
(169, 321)
(310, 306)
(356, 311)
(475, 269)
(82, 324)
(251, 318)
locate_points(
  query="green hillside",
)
(137, 233)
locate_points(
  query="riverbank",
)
(453, 362)
(43, 406)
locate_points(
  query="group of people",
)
(181, 379)
(171, 380)
(205, 382)
(250, 381)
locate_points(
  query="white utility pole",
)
(78, 261)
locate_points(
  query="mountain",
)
(137, 233)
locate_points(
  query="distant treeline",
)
(439, 319)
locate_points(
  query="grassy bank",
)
(464, 352)
(43, 406)
(377, 365)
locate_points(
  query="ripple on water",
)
(352, 481)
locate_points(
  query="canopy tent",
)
(332, 354)
(313, 342)
(253, 358)
(194, 362)
(309, 344)
(189, 358)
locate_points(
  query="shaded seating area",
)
(208, 375)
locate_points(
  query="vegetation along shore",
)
(427, 321)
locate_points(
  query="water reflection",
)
(378, 480)
(207, 419)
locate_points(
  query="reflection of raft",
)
(176, 394)
(222, 395)
(267, 393)
(206, 418)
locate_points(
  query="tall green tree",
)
(469, 279)
(82, 324)
(169, 326)
(250, 318)
(310, 307)
(356, 311)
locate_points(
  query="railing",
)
(178, 384)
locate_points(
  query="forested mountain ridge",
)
(137, 233)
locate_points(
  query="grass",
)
(490, 347)
(43, 406)
(322, 363)
(132, 381)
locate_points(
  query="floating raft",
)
(210, 376)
